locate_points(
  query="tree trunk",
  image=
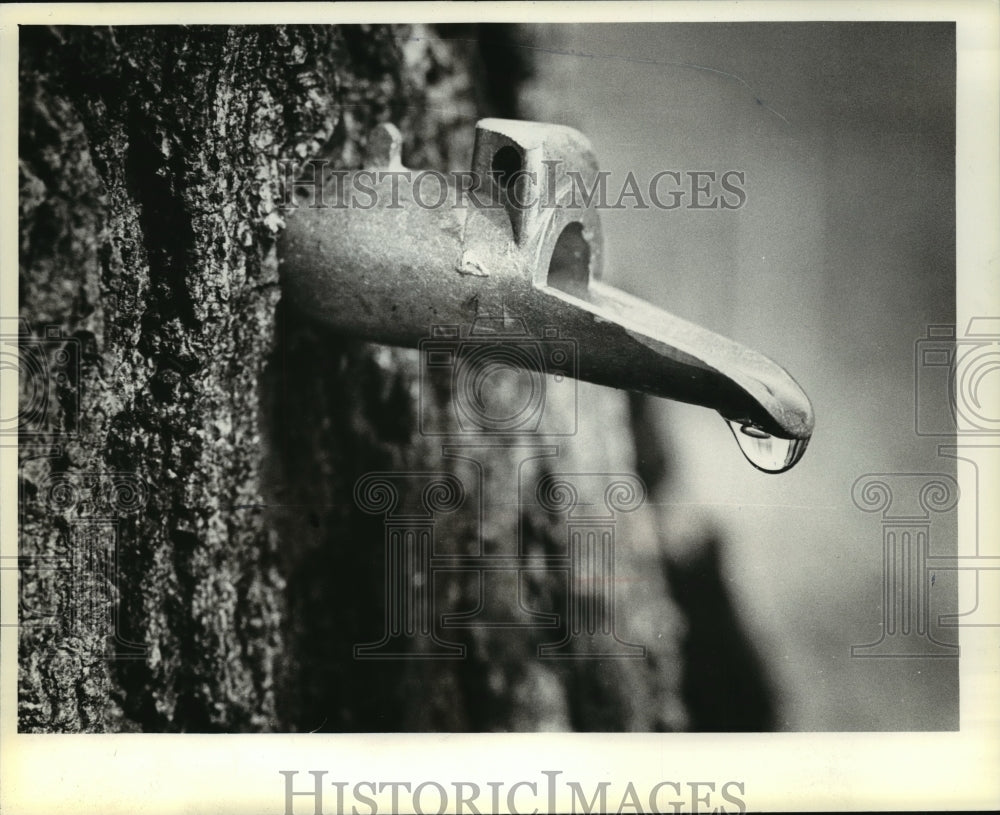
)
(197, 549)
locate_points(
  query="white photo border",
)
(780, 771)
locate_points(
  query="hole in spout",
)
(506, 163)
(569, 268)
(510, 186)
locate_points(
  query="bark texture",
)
(194, 555)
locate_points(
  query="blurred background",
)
(839, 260)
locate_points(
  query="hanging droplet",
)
(770, 454)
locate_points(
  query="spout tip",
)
(782, 408)
(794, 410)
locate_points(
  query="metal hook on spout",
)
(510, 238)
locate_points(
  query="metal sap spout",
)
(510, 247)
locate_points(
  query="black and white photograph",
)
(499, 408)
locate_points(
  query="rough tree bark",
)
(223, 436)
